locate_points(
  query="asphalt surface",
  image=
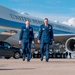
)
(36, 67)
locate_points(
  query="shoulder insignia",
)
(43, 28)
(24, 29)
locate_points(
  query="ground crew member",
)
(26, 39)
(45, 37)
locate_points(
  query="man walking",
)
(45, 37)
(26, 39)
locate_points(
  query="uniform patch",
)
(24, 29)
(49, 27)
(43, 29)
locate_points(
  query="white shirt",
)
(27, 26)
(46, 25)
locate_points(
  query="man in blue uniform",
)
(45, 37)
(26, 39)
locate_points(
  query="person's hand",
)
(32, 42)
(38, 41)
(20, 42)
(53, 43)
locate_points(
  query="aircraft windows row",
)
(62, 27)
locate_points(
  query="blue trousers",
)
(26, 49)
(42, 49)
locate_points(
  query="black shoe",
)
(28, 60)
(46, 60)
(23, 59)
(41, 58)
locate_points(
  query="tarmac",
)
(37, 67)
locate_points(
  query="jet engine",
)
(70, 44)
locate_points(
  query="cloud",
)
(71, 21)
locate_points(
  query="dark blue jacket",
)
(27, 34)
(46, 34)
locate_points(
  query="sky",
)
(55, 10)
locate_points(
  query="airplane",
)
(12, 21)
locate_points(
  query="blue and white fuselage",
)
(10, 19)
